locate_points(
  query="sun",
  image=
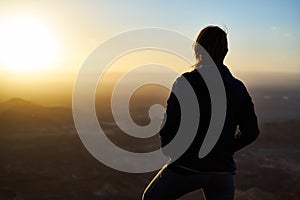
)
(26, 45)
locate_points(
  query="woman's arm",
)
(247, 121)
(171, 121)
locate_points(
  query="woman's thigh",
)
(220, 187)
(169, 184)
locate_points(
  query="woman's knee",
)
(146, 196)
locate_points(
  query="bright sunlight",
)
(26, 45)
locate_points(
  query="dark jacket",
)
(240, 115)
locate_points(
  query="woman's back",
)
(221, 156)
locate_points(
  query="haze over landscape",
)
(43, 46)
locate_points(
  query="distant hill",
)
(14, 102)
(20, 114)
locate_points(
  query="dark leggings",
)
(170, 184)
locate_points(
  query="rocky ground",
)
(43, 158)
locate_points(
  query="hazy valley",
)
(43, 158)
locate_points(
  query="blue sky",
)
(256, 29)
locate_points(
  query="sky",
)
(44, 43)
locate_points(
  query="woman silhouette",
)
(215, 172)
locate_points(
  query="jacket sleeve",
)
(247, 121)
(171, 120)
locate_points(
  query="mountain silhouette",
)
(19, 114)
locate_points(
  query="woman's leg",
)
(170, 184)
(220, 187)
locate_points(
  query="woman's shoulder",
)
(191, 75)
